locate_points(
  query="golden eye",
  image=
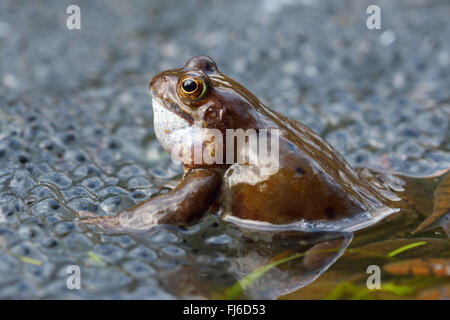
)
(191, 87)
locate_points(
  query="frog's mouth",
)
(170, 127)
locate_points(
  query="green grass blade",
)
(95, 258)
(31, 261)
(369, 253)
(405, 248)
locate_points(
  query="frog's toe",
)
(85, 214)
(105, 222)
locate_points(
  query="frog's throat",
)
(172, 107)
(169, 126)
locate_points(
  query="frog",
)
(312, 188)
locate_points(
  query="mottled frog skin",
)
(314, 188)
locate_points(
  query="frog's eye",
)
(191, 87)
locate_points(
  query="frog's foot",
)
(183, 205)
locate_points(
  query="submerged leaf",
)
(441, 205)
(340, 291)
(419, 267)
(397, 289)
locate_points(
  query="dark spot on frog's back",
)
(203, 63)
(300, 171)
(329, 212)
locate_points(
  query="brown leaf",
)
(441, 204)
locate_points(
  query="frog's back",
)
(313, 184)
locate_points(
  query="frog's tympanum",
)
(312, 189)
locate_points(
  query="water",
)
(76, 133)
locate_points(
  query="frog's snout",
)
(152, 82)
(156, 82)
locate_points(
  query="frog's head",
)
(182, 95)
(197, 96)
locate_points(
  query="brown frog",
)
(312, 189)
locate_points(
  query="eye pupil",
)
(189, 85)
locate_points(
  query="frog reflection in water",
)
(314, 188)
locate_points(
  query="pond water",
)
(76, 133)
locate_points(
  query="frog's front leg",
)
(186, 203)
